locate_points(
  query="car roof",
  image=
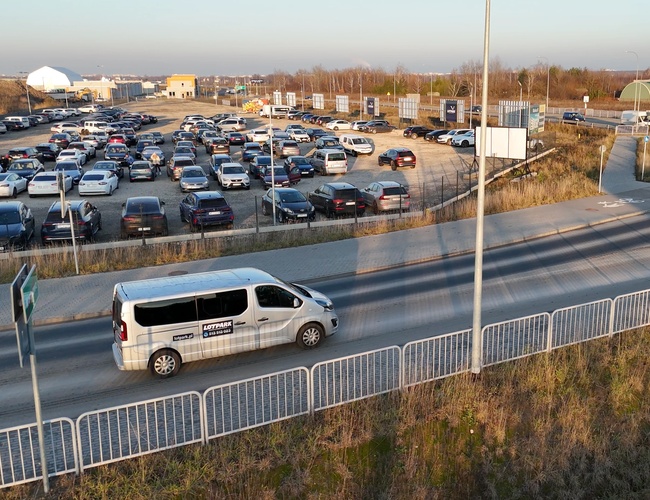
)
(10, 206)
(388, 183)
(340, 185)
(56, 206)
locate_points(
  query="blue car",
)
(258, 164)
(206, 208)
(250, 150)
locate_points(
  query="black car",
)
(236, 138)
(12, 125)
(131, 136)
(250, 150)
(572, 117)
(316, 133)
(306, 117)
(416, 131)
(338, 198)
(433, 135)
(306, 168)
(27, 168)
(206, 208)
(25, 152)
(143, 215)
(217, 145)
(117, 152)
(397, 157)
(62, 139)
(49, 150)
(158, 137)
(111, 166)
(290, 205)
(16, 226)
(375, 126)
(86, 217)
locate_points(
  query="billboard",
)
(514, 114)
(372, 106)
(408, 108)
(277, 97)
(291, 99)
(452, 110)
(503, 142)
(318, 101)
(342, 104)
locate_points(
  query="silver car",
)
(193, 179)
(383, 196)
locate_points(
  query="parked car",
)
(338, 125)
(216, 160)
(141, 145)
(205, 209)
(176, 165)
(46, 183)
(257, 164)
(217, 145)
(109, 166)
(446, 138)
(356, 125)
(3, 128)
(250, 150)
(328, 142)
(142, 170)
(86, 217)
(143, 215)
(98, 182)
(338, 198)
(24, 152)
(17, 226)
(316, 133)
(383, 196)
(72, 155)
(434, 134)
(290, 205)
(377, 126)
(286, 148)
(66, 127)
(416, 131)
(117, 152)
(158, 137)
(62, 140)
(232, 175)
(26, 168)
(184, 151)
(187, 144)
(306, 169)
(257, 135)
(397, 157)
(193, 178)
(85, 148)
(463, 140)
(299, 135)
(11, 184)
(70, 168)
(153, 154)
(277, 176)
(236, 138)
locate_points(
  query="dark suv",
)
(572, 117)
(86, 218)
(397, 157)
(49, 150)
(206, 208)
(25, 152)
(338, 198)
(416, 131)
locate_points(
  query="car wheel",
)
(379, 162)
(393, 166)
(414, 136)
(322, 172)
(336, 128)
(15, 193)
(374, 130)
(375, 207)
(165, 363)
(464, 144)
(310, 336)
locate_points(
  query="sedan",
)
(46, 183)
(299, 135)
(383, 196)
(397, 157)
(49, 150)
(71, 168)
(290, 205)
(463, 140)
(207, 208)
(358, 124)
(306, 169)
(142, 170)
(277, 176)
(11, 184)
(98, 182)
(232, 175)
(250, 150)
(62, 140)
(143, 215)
(184, 151)
(26, 168)
(16, 226)
(338, 125)
(110, 166)
(193, 179)
(416, 131)
(446, 138)
(84, 147)
(236, 138)
(433, 136)
(328, 142)
(73, 155)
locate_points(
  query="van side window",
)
(166, 312)
(221, 305)
(273, 296)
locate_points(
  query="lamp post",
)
(471, 104)
(636, 84)
(361, 95)
(600, 175)
(29, 103)
(521, 90)
(101, 81)
(302, 92)
(431, 90)
(548, 78)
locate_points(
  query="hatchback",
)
(87, 220)
(290, 205)
(217, 145)
(176, 164)
(206, 208)
(338, 198)
(306, 168)
(143, 216)
(16, 226)
(256, 166)
(193, 178)
(397, 157)
(383, 196)
(250, 150)
(142, 170)
(216, 160)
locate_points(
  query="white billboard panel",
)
(503, 142)
(277, 97)
(408, 108)
(291, 99)
(318, 101)
(342, 104)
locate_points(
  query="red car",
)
(117, 139)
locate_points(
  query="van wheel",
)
(310, 336)
(165, 363)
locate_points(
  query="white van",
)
(329, 161)
(355, 144)
(633, 117)
(93, 126)
(160, 323)
(20, 119)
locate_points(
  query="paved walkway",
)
(79, 297)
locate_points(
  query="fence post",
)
(442, 191)
(257, 220)
(457, 181)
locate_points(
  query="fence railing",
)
(132, 430)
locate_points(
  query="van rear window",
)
(336, 157)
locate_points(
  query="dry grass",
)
(571, 424)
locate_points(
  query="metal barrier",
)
(579, 323)
(128, 431)
(632, 129)
(631, 311)
(515, 339)
(254, 402)
(437, 357)
(360, 376)
(20, 453)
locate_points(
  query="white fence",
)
(128, 431)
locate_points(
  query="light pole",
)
(471, 104)
(600, 175)
(302, 92)
(431, 91)
(101, 81)
(361, 95)
(29, 103)
(636, 84)
(548, 78)
(394, 87)
(521, 90)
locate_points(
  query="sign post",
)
(602, 150)
(24, 295)
(645, 143)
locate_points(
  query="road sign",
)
(29, 293)
(646, 138)
(22, 329)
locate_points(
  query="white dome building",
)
(52, 77)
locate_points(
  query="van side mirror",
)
(296, 303)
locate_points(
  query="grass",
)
(574, 423)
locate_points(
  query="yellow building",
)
(182, 87)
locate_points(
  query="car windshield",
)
(292, 197)
(233, 170)
(300, 161)
(277, 171)
(9, 218)
(193, 173)
(21, 166)
(67, 165)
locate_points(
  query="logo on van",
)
(185, 336)
(216, 329)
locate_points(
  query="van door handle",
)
(240, 323)
(263, 319)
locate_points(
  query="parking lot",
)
(436, 165)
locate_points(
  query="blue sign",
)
(451, 111)
(646, 139)
(370, 105)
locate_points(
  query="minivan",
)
(20, 119)
(355, 144)
(329, 161)
(160, 323)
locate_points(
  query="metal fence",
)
(132, 430)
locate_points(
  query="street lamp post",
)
(431, 90)
(29, 103)
(101, 81)
(548, 79)
(521, 90)
(600, 175)
(361, 95)
(636, 84)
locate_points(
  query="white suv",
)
(232, 175)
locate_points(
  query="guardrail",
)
(132, 430)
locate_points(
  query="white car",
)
(94, 141)
(357, 124)
(72, 154)
(232, 175)
(338, 125)
(299, 135)
(98, 182)
(46, 183)
(446, 138)
(88, 108)
(3, 128)
(73, 111)
(65, 127)
(463, 140)
(11, 184)
(258, 135)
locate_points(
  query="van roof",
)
(171, 286)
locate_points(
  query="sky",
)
(219, 37)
